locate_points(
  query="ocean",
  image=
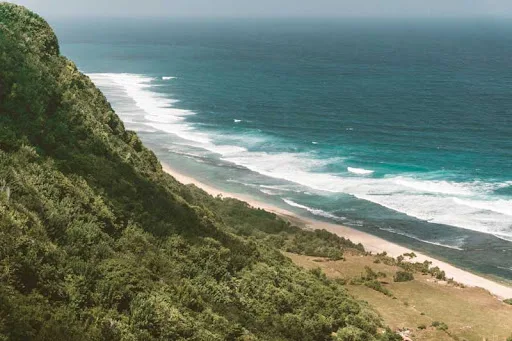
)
(401, 128)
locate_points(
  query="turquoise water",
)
(398, 128)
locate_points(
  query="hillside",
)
(414, 306)
(98, 243)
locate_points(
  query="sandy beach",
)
(370, 242)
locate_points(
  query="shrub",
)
(370, 279)
(437, 273)
(422, 326)
(341, 281)
(351, 333)
(440, 325)
(508, 301)
(377, 286)
(317, 272)
(389, 335)
(403, 276)
(443, 326)
(370, 274)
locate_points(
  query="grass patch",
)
(427, 300)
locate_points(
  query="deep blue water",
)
(401, 128)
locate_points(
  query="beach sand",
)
(370, 242)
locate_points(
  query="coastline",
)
(371, 243)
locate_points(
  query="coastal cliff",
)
(98, 243)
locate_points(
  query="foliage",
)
(274, 231)
(410, 255)
(377, 286)
(370, 275)
(440, 325)
(403, 276)
(351, 333)
(437, 273)
(370, 279)
(98, 243)
(389, 335)
(508, 301)
(424, 267)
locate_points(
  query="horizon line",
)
(281, 17)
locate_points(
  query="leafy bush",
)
(440, 325)
(423, 268)
(351, 333)
(370, 279)
(403, 276)
(370, 274)
(389, 335)
(508, 301)
(438, 273)
(377, 286)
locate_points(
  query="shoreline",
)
(370, 242)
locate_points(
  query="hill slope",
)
(98, 243)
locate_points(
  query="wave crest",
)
(360, 171)
(314, 211)
(437, 243)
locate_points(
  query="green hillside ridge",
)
(98, 243)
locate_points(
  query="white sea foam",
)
(502, 237)
(237, 121)
(166, 78)
(459, 242)
(269, 192)
(467, 205)
(285, 188)
(500, 206)
(437, 186)
(427, 200)
(159, 111)
(504, 268)
(360, 171)
(314, 211)
(187, 154)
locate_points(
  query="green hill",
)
(98, 243)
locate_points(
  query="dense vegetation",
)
(98, 243)
(403, 276)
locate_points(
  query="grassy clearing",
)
(471, 314)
